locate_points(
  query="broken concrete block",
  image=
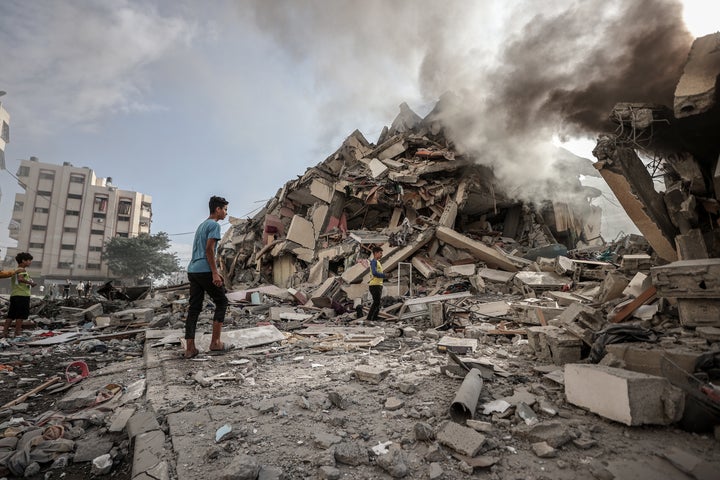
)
(133, 315)
(371, 374)
(460, 270)
(553, 344)
(460, 346)
(627, 397)
(711, 334)
(699, 312)
(612, 287)
(377, 168)
(479, 250)
(461, 439)
(587, 317)
(555, 434)
(322, 190)
(688, 278)
(696, 92)
(648, 357)
(635, 263)
(302, 232)
(496, 275)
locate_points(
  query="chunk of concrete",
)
(696, 92)
(699, 312)
(461, 439)
(371, 374)
(553, 344)
(688, 278)
(302, 232)
(627, 397)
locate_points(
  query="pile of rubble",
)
(504, 324)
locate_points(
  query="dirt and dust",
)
(290, 406)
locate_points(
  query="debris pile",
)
(506, 323)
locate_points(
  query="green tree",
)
(141, 258)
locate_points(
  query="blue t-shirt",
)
(208, 229)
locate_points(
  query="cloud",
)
(75, 62)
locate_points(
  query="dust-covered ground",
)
(299, 408)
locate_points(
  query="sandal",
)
(191, 355)
(226, 348)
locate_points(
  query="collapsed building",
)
(450, 233)
(414, 193)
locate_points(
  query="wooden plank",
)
(645, 297)
(35, 390)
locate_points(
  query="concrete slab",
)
(461, 439)
(247, 337)
(149, 452)
(627, 397)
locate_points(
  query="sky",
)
(182, 99)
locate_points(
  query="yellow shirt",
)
(18, 289)
(378, 268)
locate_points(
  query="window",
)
(100, 204)
(121, 234)
(93, 266)
(70, 229)
(72, 213)
(42, 210)
(123, 219)
(95, 249)
(97, 232)
(124, 207)
(47, 175)
(39, 228)
(77, 178)
(75, 195)
(37, 245)
(64, 265)
(5, 134)
(18, 206)
(67, 247)
(23, 171)
(37, 263)
(44, 193)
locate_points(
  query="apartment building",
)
(66, 215)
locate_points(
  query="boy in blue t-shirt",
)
(205, 278)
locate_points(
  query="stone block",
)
(647, 358)
(133, 315)
(627, 397)
(688, 278)
(553, 344)
(463, 440)
(371, 374)
(695, 312)
(612, 287)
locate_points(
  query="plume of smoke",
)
(523, 72)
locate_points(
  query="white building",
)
(65, 217)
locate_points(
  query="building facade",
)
(66, 215)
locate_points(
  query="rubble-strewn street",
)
(514, 341)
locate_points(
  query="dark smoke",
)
(618, 52)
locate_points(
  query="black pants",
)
(200, 284)
(376, 292)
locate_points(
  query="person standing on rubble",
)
(376, 283)
(20, 285)
(204, 278)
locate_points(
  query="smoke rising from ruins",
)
(522, 73)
